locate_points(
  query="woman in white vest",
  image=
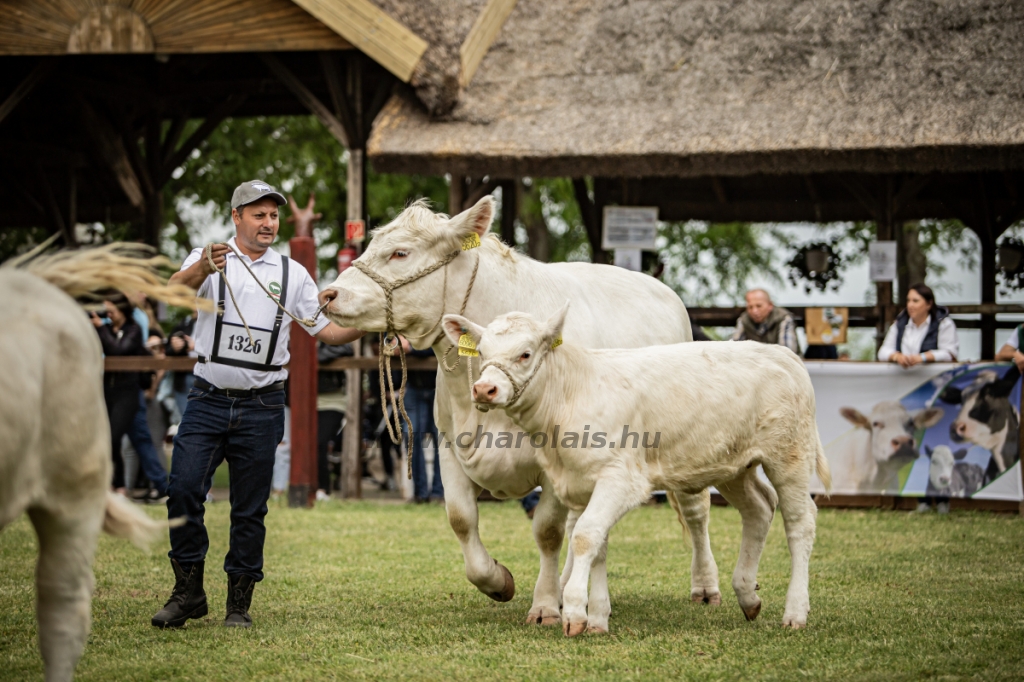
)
(235, 411)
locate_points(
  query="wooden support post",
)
(456, 194)
(302, 375)
(885, 232)
(352, 439)
(27, 85)
(509, 210)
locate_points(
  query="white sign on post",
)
(882, 256)
(628, 258)
(630, 227)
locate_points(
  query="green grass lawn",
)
(364, 591)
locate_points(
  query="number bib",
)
(236, 345)
(231, 343)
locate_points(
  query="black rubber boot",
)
(188, 600)
(239, 600)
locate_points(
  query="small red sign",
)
(345, 257)
(355, 230)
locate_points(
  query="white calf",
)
(949, 476)
(680, 417)
(54, 436)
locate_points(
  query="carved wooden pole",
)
(303, 372)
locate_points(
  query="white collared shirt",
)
(258, 310)
(913, 337)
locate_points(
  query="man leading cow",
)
(235, 410)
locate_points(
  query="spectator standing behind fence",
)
(181, 344)
(923, 332)
(765, 323)
(1011, 350)
(119, 335)
(331, 404)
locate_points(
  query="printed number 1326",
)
(242, 343)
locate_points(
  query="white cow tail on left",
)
(123, 519)
(125, 267)
(821, 467)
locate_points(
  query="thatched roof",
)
(720, 87)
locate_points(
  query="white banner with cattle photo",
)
(941, 430)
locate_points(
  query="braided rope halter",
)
(386, 351)
(517, 388)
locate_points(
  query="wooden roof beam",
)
(111, 150)
(43, 69)
(372, 31)
(221, 112)
(481, 36)
(308, 99)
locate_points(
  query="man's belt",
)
(204, 385)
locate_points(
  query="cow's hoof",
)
(573, 629)
(508, 591)
(794, 622)
(540, 617)
(751, 613)
(596, 630)
(702, 597)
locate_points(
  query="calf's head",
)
(940, 471)
(512, 348)
(417, 239)
(892, 428)
(984, 411)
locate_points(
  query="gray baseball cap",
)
(254, 190)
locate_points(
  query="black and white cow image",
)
(949, 476)
(987, 418)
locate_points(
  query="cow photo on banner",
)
(936, 430)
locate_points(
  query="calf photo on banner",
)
(936, 430)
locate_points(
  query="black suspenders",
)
(274, 333)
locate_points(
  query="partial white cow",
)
(54, 435)
(619, 423)
(988, 418)
(883, 444)
(614, 309)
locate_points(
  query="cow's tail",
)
(821, 468)
(121, 266)
(123, 519)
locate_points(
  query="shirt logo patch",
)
(261, 187)
(275, 290)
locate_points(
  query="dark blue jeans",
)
(245, 432)
(142, 440)
(419, 402)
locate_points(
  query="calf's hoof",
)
(699, 596)
(509, 590)
(573, 629)
(751, 612)
(543, 617)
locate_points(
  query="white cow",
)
(614, 308)
(949, 476)
(54, 436)
(680, 417)
(882, 445)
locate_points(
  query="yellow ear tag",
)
(557, 342)
(470, 241)
(467, 347)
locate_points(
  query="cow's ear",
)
(553, 328)
(456, 325)
(951, 395)
(928, 451)
(930, 416)
(855, 417)
(474, 221)
(960, 454)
